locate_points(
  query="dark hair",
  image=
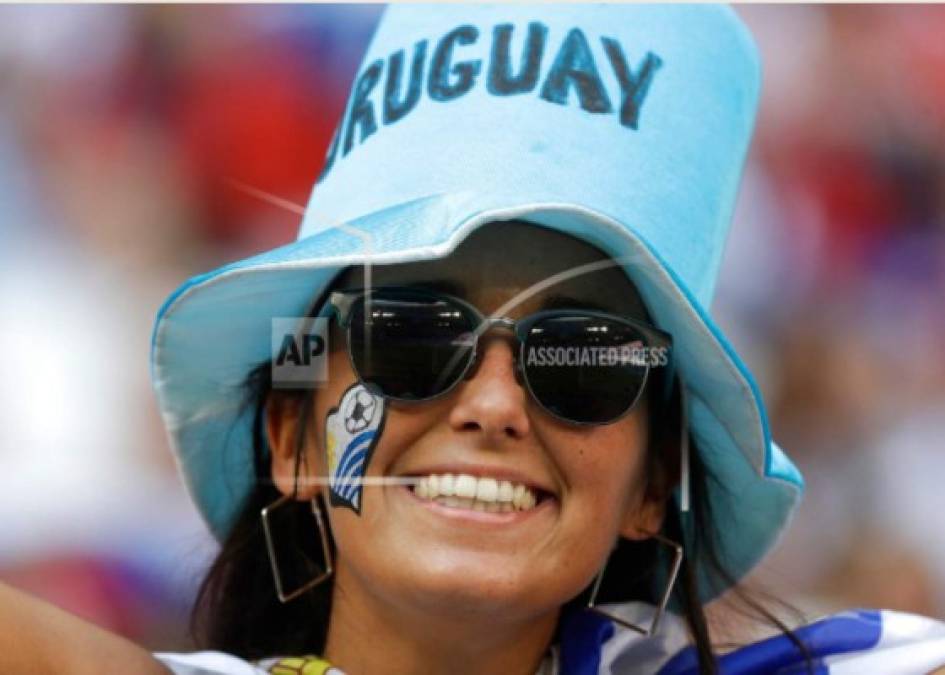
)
(237, 611)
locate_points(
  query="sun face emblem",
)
(359, 412)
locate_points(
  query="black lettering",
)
(633, 88)
(362, 110)
(289, 351)
(463, 73)
(574, 65)
(332, 151)
(395, 109)
(314, 345)
(501, 82)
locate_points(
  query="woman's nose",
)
(492, 400)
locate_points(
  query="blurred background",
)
(122, 130)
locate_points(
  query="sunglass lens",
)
(411, 346)
(583, 368)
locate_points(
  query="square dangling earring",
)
(664, 600)
(270, 547)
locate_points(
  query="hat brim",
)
(216, 327)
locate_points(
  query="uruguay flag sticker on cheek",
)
(351, 432)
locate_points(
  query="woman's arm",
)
(36, 637)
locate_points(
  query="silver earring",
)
(674, 572)
(276, 576)
(683, 451)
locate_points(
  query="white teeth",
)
(478, 494)
(456, 502)
(517, 494)
(528, 500)
(465, 486)
(487, 490)
(523, 499)
(447, 485)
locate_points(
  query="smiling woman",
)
(517, 442)
(483, 510)
(446, 544)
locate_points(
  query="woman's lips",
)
(465, 512)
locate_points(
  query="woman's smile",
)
(475, 510)
(471, 493)
(477, 495)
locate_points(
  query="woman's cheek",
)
(604, 473)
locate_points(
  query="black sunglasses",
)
(580, 365)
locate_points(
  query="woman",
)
(532, 450)
(492, 507)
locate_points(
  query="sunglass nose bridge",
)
(517, 366)
(500, 321)
(488, 323)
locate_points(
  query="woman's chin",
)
(469, 590)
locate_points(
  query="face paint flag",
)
(351, 432)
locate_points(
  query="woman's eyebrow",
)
(559, 301)
(555, 301)
(440, 286)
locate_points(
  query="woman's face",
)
(415, 553)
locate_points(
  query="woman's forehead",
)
(499, 262)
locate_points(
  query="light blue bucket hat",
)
(623, 125)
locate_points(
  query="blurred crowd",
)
(126, 133)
